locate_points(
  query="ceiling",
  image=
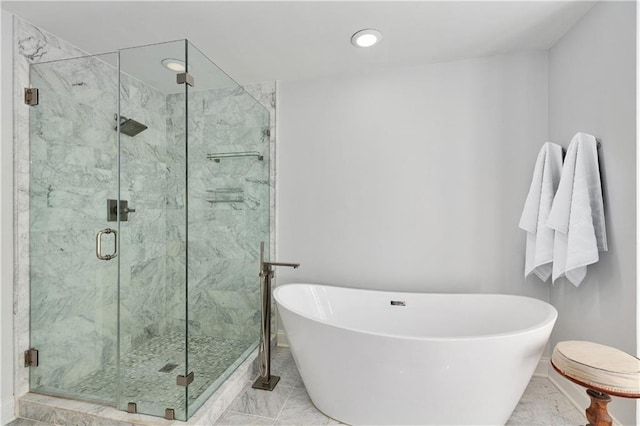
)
(257, 41)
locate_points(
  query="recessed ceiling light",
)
(366, 38)
(175, 65)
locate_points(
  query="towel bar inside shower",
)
(217, 157)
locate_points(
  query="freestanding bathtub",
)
(377, 357)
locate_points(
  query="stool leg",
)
(597, 413)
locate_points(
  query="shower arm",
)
(266, 381)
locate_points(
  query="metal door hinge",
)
(185, 380)
(31, 357)
(185, 77)
(31, 96)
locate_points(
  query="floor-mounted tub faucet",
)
(266, 381)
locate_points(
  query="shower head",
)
(129, 126)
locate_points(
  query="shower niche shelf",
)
(225, 155)
(226, 195)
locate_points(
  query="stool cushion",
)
(604, 367)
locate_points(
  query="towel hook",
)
(598, 145)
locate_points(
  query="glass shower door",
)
(73, 172)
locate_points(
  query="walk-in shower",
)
(156, 326)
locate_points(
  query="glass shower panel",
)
(153, 280)
(228, 217)
(73, 317)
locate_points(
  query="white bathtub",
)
(457, 359)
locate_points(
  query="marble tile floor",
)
(289, 403)
(541, 405)
(26, 422)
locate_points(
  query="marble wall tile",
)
(229, 205)
(265, 93)
(70, 163)
(31, 45)
(70, 192)
(66, 322)
(143, 180)
(73, 173)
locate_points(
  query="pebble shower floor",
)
(152, 389)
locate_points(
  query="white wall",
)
(6, 222)
(592, 88)
(412, 178)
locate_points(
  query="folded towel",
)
(577, 213)
(546, 177)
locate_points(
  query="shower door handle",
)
(99, 244)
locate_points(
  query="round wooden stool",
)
(603, 370)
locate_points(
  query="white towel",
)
(577, 213)
(546, 177)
